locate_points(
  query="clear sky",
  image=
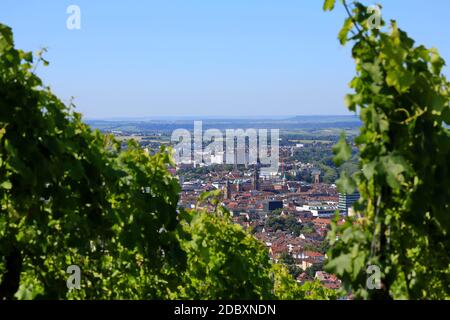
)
(204, 57)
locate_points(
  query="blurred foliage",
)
(403, 220)
(70, 195)
(223, 260)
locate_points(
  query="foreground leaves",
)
(403, 220)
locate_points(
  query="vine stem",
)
(357, 25)
(351, 16)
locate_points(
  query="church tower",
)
(227, 193)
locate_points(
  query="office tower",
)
(346, 201)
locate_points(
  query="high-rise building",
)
(256, 176)
(235, 151)
(346, 201)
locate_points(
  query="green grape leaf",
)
(343, 34)
(329, 5)
(346, 184)
(342, 151)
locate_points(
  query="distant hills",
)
(294, 123)
(328, 119)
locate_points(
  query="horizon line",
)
(216, 117)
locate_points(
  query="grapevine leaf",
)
(342, 151)
(329, 5)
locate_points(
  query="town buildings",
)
(288, 217)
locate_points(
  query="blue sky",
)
(204, 57)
